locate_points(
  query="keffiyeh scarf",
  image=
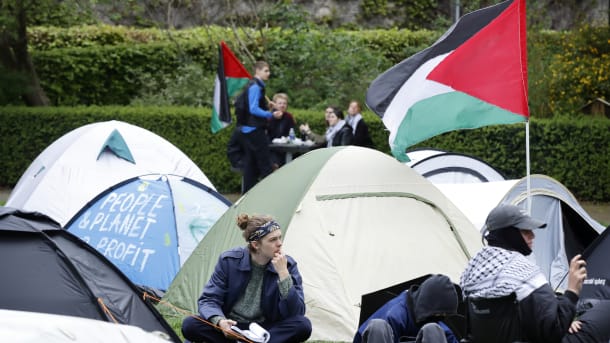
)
(495, 272)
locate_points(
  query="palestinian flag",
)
(231, 77)
(474, 75)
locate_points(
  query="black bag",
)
(242, 106)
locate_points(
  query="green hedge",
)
(107, 65)
(110, 74)
(573, 151)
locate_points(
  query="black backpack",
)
(242, 105)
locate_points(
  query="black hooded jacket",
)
(435, 298)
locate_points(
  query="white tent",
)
(569, 229)
(356, 221)
(30, 327)
(92, 158)
(417, 155)
(449, 167)
(476, 200)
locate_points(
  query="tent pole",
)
(527, 166)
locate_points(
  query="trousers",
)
(290, 330)
(379, 331)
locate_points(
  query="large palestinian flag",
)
(474, 75)
(231, 77)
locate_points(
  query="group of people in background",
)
(340, 130)
(248, 149)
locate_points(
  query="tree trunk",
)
(14, 56)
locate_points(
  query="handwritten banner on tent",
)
(134, 227)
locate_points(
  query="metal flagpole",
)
(527, 166)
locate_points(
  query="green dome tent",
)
(356, 220)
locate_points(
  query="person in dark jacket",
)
(359, 127)
(279, 126)
(414, 315)
(258, 283)
(338, 132)
(501, 268)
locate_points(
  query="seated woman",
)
(338, 132)
(279, 126)
(257, 283)
(359, 127)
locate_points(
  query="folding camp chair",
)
(495, 320)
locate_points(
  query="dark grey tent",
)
(47, 269)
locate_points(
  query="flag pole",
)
(527, 166)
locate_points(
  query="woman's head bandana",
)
(263, 231)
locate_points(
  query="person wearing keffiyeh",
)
(257, 283)
(501, 268)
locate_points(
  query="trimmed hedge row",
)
(106, 65)
(110, 75)
(575, 152)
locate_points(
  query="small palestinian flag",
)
(231, 77)
(474, 75)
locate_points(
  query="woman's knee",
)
(303, 327)
(190, 327)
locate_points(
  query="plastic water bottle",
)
(291, 135)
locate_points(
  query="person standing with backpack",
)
(253, 123)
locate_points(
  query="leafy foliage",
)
(318, 68)
(12, 85)
(314, 66)
(189, 86)
(286, 15)
(409, 14)
(580, 72)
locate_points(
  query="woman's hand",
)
(277, 114)
(305, 128)
(225, 325)
(280, 263)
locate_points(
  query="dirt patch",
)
(599, 211)
(232, 197)
(4, 193)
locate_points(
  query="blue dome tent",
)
(149, 225)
